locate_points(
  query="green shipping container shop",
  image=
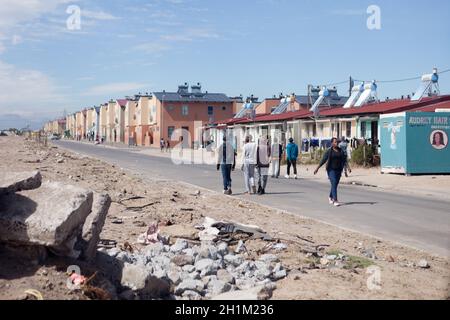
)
(415, 142)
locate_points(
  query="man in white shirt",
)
(248, 164)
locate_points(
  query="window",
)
(185, 110)
(224, 108)
(170, 131)
(363, 129)
(210, 110)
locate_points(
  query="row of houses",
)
(194, 117)
(361, 123)
(145, 119)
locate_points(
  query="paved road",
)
(420, 222)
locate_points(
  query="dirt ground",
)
(183, 206)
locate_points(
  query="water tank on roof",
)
(183, 89)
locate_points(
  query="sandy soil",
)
(184, 206)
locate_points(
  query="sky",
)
(261, 47)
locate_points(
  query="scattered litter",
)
(139, 223)
(106, 243)
(34, 293)
(117, 221)
(139, 208)
(240, 247)
(151, 236)
(423, 264)
(228, 231)
(127, 247)
(77, 279)
(96, 293)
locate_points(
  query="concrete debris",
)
(182, 260)
(189, 284)
(240, 247)
(11, 182)
(93, 226)
(423, 264)
(39, 216)
(369, 253)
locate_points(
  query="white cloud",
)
(115, 88)
(24, 91)
(191, 35)
(348, 12)
(16, 39)
(98, 15)
(151, 47)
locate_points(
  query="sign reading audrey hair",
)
(415, 142)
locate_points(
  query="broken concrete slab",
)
(46, 216)
(93, 226)
(141, 280)
(175, 231)
(11, 182)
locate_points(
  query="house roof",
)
(386, 107)
(433, 107)
(392, 106)
(122, 102)
(191, 97)
(334, 101)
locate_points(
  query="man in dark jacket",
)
(336, 161)
(262, 164)
(291, 158)
(226, 161)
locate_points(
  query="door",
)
(185, 137)
(374, 135)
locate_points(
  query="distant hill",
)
(16, 121)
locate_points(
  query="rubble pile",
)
(195, 272)
(40, 217)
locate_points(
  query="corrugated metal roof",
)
(427, 104)
(432, 108)
(203, 97)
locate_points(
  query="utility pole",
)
(351, 85)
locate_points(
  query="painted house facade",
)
(130, 121)
(103, 121)
(119, 120)
(179, 116)
(144, 136)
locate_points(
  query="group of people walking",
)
(163, 144)
(258, 156)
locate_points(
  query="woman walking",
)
(249, 164)
(336, 161)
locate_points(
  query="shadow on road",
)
(356, 203)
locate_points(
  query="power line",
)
(385, 81)
(335, 84)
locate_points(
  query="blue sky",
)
(262, 47)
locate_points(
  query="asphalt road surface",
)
(420, 222)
